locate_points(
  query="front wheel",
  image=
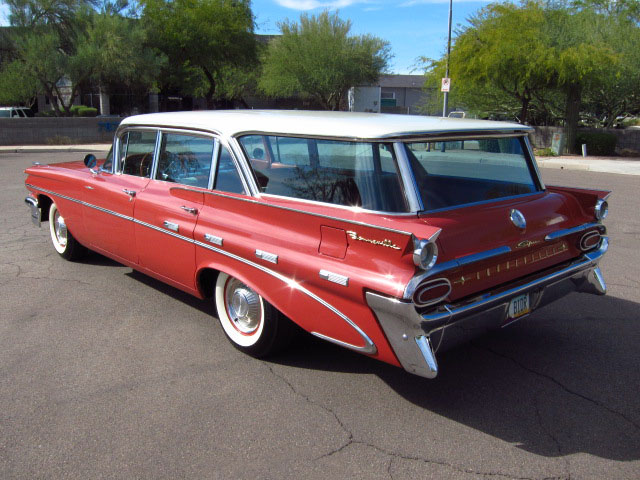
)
(64, 243)
(251, 323)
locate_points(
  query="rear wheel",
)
(64, 243)
(252, 324)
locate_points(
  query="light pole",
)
(446, 94)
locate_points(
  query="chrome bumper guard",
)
(415, 338)
(36, 213)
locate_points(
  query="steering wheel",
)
(145, 159)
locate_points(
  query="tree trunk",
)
(572, 115)
(524, 111)
(212, 89)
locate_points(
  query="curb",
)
(55, 148)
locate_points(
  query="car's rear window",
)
(357, 174)
(455, 173)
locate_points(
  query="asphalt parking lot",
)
(106, 373)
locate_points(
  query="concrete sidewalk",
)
(620, 165)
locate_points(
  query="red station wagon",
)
(394, 236)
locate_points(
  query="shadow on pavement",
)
(563, 381)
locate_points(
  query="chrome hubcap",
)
(243, 306)
(61, 230)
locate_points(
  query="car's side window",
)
(185, 159)
(227, 177)
(136, 152)
(354, 174)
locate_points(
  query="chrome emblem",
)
(517, 218)
(527, 243)
(383, 243)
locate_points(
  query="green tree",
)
(318, 58)
(205, 37)
(60, 45)
(532, 53)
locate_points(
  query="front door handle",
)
(171, 226)
(131, 193)
(189, 209)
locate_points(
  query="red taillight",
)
(589, 240)
(431, 292)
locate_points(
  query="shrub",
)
(82, 111)
(598, 143)
(87, 112)
(544, 152)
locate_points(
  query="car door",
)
(111, 195)
(166, 211)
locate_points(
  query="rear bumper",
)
(415, 338)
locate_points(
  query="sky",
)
(414, 28)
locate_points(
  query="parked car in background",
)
(15, 112)
(394, 236)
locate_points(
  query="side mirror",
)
(90, 161)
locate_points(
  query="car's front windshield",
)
(453, 173)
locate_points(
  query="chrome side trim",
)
(334, 277)
(450, 265)
(266, 256)
(295, 210)
(369, 347)
(569, 231)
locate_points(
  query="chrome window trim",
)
(402, 137)
(450, 265)
(186, 133)
(127, 129)
(238, 165)
(533, 162)
(411, 191)
(214, 163)
(369, 347)
(245, 167)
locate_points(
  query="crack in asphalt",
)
(561, 385)
(393, 455)
(553, 438)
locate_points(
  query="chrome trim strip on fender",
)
(213, 239)
(369, 347)
(450, 265)
(569, 231)
(266, 256)
(334, 277)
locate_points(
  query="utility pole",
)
(446, 94)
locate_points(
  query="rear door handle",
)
(171, 226)
(131, 193)
(189, 209)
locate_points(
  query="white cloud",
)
(311, 4)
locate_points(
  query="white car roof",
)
(320, 124)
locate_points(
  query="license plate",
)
(519, 306)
